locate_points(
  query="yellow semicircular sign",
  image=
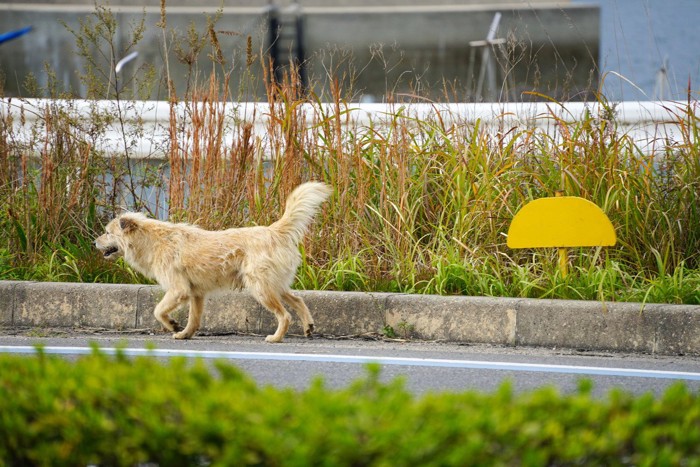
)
(560, 222)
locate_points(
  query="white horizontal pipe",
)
(649, 124)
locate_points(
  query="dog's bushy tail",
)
(302, 205)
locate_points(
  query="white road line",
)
(332, 358)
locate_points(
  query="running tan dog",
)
(189, 262)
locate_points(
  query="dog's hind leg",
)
(167, 305)
(272, 302)
(297, 304)
(194, 319)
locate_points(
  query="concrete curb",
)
(628, 327)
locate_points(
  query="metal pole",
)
(487, 67)
(300, 50)
(563, 252)
(273, 23)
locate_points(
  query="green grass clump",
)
(100, 410)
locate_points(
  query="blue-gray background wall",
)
(404, 48)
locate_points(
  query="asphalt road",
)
(425, 366)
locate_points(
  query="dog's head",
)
(114, 242)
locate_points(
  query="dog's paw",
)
(182, 335)
(272, 339)
(309, 331)
(176, 326)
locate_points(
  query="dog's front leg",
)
(170, 302)
(196, 308)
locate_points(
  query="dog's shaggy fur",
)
(189, 262)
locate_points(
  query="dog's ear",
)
(127, 225)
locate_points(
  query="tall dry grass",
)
(423, 205)
(419, 205)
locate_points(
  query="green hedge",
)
(121, 411)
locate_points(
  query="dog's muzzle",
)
(110, 251)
